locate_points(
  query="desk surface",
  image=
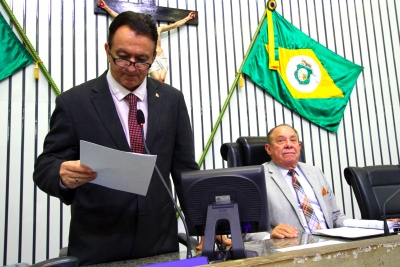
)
(382, 251)
(379, 251)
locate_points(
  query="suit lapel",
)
(277, 176)
(104, 106)
(154, 100)
(313, 179)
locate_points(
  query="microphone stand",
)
(189, 248)
(385, 224)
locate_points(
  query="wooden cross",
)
(148, 7)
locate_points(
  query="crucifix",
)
(159, 13)
(160, 65)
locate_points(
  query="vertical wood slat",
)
(203, 63)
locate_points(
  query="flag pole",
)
(231, 91)
(30, 47)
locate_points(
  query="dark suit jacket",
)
(110, 225)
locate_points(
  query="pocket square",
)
(324, 192)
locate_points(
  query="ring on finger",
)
(77, 180)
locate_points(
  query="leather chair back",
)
(248, 150)
(372, 186)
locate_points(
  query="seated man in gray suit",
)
(300, 199)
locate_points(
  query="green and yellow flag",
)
(300, 73)
(13, 54)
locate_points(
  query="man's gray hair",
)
(270, 132)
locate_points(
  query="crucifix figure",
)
(160, 65)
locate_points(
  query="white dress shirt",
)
(118, 93)
(309, 191)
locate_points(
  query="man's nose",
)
(132, 67)
(288, 143)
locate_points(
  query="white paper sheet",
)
(349, 232)
(374, 224)
(120, 170)
(319, 244)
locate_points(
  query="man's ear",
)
(154, 55)
(300, 144)
(268, 149)
(107, 49)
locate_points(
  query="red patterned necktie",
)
(311, 217)
(135, 134)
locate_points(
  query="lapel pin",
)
(157, 95)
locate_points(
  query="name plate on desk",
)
(195, 261)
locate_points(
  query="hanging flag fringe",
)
(241, 82)
(37, 69)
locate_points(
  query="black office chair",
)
(56, 262)
(372, 186)
(248, 150)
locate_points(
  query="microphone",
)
(140, 120)
(385, 224)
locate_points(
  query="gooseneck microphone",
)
(385, 224)
(141, 120)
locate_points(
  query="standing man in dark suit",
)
(110, 225)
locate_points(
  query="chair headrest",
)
(372, 186)
(232, 153)
(378, 175)
(253, 149)
(248, 150)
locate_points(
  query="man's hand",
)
(284, 231)
(101, 3)
(73, 174)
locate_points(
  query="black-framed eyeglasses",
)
(126, 63)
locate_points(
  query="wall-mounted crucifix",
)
(160, 65)
(148, 7)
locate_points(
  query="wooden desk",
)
(378, 251)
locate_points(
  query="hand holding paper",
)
(120, 170)
(74, 174)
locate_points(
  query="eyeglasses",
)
(126, 63)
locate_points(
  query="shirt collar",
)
(285, 171)
(120, 91)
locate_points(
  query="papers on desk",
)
(372, 224)
(349, 232)
(313, 245)
(120, 170)
(358, 228)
